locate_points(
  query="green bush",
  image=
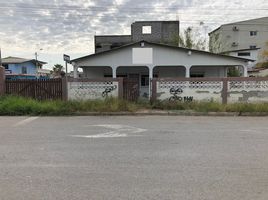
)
(13, 105)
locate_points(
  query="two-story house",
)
(21, 68)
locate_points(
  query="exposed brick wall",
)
(2, 80)
(161, 32)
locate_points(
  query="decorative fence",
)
(251, 90)
(89, 89)
(225, 90)
(37, 89)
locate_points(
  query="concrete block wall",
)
(222, 90)
(161, 32)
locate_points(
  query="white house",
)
(145, 60)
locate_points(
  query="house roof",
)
(16, 60)
(253, 49)
(233, 23)
(161, 45)
(163, 21)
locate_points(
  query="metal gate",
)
(131, 89)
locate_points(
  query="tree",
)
(233, 72)
(190, 39)
(263, 58)
(58, 70)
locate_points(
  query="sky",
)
(56, 27)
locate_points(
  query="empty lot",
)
(150, 157)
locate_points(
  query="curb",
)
(174, 113)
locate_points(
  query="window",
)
(5, 66)
(24, 70)
(252, 46)
(146, 30)
(144, 80)
(253, 33)
(243, 54)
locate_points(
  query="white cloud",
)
(60, 26)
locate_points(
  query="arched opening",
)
(216, 71)
(136, 81)
(97, 72)
(236, 71)
(169, 71)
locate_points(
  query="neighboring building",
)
(144, 60)
(258, 72)
(79, 74)
(153, 31)
(249, 34)
(44, 73)
(251, 54)
(20, 68)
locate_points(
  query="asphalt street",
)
(147, 157)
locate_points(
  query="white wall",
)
(162, 56)
(92, 90)
(196, 91)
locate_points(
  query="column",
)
(114, 71)
(245, 68)
(187, 71)
(151, 68)
(75, 70)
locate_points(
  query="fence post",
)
(121, 88)
(2, 80)
(154, 95)
(224, 93)
(64, 86)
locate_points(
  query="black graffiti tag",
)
(175, 95)
(108, 90)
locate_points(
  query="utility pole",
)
(36, 65)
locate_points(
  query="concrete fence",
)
(224, 90)
(89, 89)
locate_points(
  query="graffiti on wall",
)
(177, 95)
(92, 90)
(108, 90)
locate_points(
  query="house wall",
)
(253, 54)
(17, 68)
(162, 56)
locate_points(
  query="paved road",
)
(163, 158)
